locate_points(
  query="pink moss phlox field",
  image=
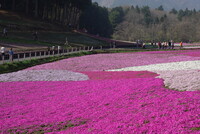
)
(102, 62)
(191, 44)
(104, 102)
(192, 53)
(139, 105)
(119, 75)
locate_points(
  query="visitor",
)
(166, 44)
(159, 45)
(59, 48)
(2, 52)
(143, 45)
(114, 44)
(172, 43)
(48, 50)
(66, 42)
(35, 35)
(181, 44)
(11, 53)
(169, 44)
(5, 32)
(163, 45)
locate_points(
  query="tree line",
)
(65, 12)
(77, 14)
(143, 23)
(124, 23)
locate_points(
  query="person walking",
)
(144, 45)
(35, 35)
(181, 44)
(11, 53)
(169, 44)
(172, 43)
(5, 32)
(159, 45)
(163, 45)
(3, 51)
(166, 44)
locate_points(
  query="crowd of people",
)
(164, 45)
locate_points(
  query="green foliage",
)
(15, 66)
(145, 24)
(95, 20)
(116, 16)
(160, 8)
(63, 12)
(137, 9)
(147, 15)
(195, 128)
(163, 18)
(186, 13)
(173, 11)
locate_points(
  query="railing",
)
(43, 54)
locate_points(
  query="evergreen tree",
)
(160, 8)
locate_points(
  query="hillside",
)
(167, 4)
(20, 33)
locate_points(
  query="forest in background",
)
(122, 23)
(75, 14)
(143, 23)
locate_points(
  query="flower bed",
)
(101, 62)
(43, 75)
(81, 95)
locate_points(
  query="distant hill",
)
(167, 4)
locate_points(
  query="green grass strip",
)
(16, 66)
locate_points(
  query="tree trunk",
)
(73, 16)
(64, 13)
(13, 5)
(53, 13)
(36, 8)
(61, 14)
(45, 12)
(69, 15)
(57, 12)
(77, 19)
(27, 6)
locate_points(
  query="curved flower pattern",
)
(43, 75)
(101, 62)
(183, 76)
(77, 95)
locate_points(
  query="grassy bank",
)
(16, 66)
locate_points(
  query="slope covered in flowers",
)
(98, 94)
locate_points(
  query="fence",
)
(43, 54)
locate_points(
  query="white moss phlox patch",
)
(43, 75)
(182, 76)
